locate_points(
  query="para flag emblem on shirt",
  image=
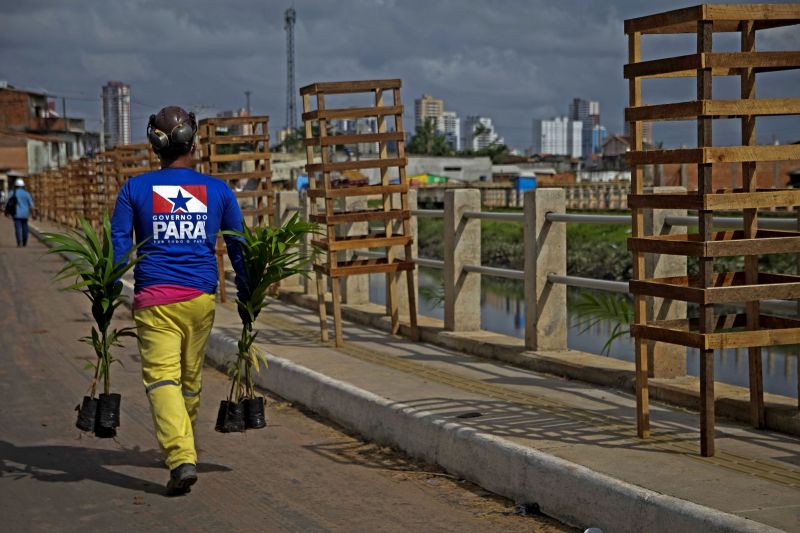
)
(180, 199)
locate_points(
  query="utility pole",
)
(289, 18)
(247, 100)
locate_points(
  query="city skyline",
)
(523, 61)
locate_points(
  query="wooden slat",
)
(352, 113)
(342, 87)
(729, 200)
(241, 156)
(672, 336)
(362, 241)
(681, 335)
(766, 242)
(714, 109)
(235, 139)
(360, 216)
(258, 211)
(726, 17)
(364, 266)
(716, 154)
(337, 140)
(254, 174)
(721, 63)
(356, 165)
(338, 192)
(667, 19)
(727, 288)
(723, 244)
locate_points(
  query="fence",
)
(544, 276)
(589, 196)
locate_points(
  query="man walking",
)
(177, 213)
(19, 207)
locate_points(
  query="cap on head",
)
(19, 182)
(171, 131)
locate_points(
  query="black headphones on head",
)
(181, 134)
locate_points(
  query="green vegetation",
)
(270, 255)
(593, 250)
(426, 141)
(90, 261)
(594, 307)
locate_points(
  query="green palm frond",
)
(90, 264)
(270, 255)
(595, 307)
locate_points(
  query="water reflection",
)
(503, 311)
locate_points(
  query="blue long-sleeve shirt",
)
(24, 202)
(179, 212)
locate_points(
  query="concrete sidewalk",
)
(568, 447)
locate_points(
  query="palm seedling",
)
(593, 308)
(270, 255)
(90, 263)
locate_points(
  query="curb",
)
(563, 490)
(566, 491)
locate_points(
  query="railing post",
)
(402, 287)
(355, 289)
(462, 246)
(284, 202)
(545, 253)
(665, 360)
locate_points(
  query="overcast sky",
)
(511, 60)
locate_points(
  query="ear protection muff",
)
(181, 134)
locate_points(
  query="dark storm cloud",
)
(512, 60)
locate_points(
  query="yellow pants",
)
(172, 343)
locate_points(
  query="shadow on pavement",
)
(69, 464)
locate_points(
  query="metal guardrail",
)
(736, 222)
(491, 215)
(428, 213)
(620, 287)
(590, 283)
(588, 219)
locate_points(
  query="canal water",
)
(503, 311)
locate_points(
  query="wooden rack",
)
(236, 149)
(752, 329)
(324, 193)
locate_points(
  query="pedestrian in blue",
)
(20, 209)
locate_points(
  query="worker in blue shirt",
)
(20, 206)
(176, 213)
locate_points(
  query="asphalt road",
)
(298, 474)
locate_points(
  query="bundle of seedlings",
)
(90, 262)
(270, 254)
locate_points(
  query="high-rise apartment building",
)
(588, 112)
(446, 123)
(449, 124)
(558, 136)
(116, 114)
(426, 108)
(479, 133)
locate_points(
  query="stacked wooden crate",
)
(236, 149)
(328, 184)
(711, 331)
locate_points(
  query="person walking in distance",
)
(20, 206)
(177, 213)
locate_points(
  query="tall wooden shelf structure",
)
(236, 150)
(326, 190)
(710, 331)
